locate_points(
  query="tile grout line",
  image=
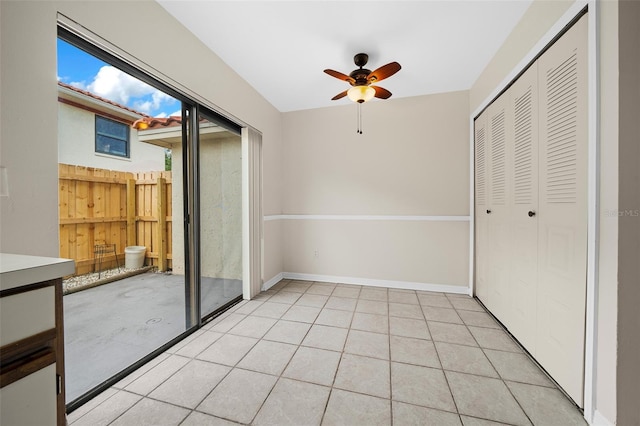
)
(499, 375)
(126, 411)
(279, 377)
(98, 405)
(335, 374)
(435, 348)
(390, 361)
(232, 368)
(240, 360)
(342, 352)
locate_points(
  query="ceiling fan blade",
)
(340, 76)
(383, 72)
(381, 92)
(339, 95)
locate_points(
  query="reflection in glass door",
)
(220, 182)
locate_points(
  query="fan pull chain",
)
(359, 129)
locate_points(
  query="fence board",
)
(96, 206)
(161, 226)
(131, 201)
(76, 220)
(64, 242)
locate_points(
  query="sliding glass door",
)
(150, 195)
(120, 215)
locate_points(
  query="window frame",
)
(127, 140)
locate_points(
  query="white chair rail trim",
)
(368, 218)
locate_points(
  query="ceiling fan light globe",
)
(361, 93)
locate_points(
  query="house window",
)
(112, 137)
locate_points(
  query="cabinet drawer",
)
(31, 400)
(25, 314)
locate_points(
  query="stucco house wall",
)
(76, 137)
(220, 199)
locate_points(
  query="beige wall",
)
(396, 251)
(411, 160)
(273, 243)
(628, 375)
(538, 19)
(29, 89)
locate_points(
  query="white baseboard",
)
(600, 420)
(273, 281)
(403, 285)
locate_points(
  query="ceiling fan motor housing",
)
(361, 59)
(360, 76)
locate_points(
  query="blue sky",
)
(82, 70)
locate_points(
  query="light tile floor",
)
(310, 353)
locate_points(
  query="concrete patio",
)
(108, 328)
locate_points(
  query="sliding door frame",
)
(192, 105)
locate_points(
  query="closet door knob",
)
(531, 213)
(488, 211)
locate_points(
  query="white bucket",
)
(134, 257)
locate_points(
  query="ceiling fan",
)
(362, 79)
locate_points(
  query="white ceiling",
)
(282, 47)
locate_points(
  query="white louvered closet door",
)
(481, 197)
(523, 172)
(531, 175)
(499, 240)
(562, 222)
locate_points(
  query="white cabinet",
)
(531, 208)
(28, 401)
(31, 340)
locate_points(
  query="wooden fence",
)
(98, 206)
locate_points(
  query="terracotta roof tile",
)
(100, 98)
(146, 123)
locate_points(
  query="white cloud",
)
(115, 85)
(160, 97)
(156, 101)
(77, 84)
(165, 115)
(143, 106)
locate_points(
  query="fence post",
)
(131, 212)
(162, 223)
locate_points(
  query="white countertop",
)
(17, 270)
